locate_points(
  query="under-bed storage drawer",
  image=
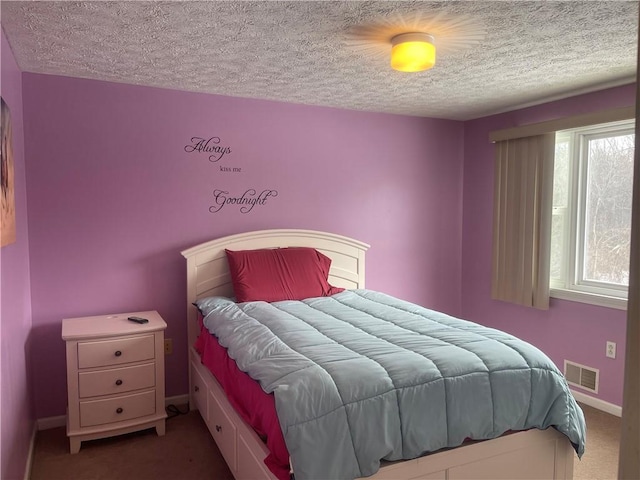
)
(199, 392)
(223, 431)
(250, 466)
(118, 409)
(220, 425)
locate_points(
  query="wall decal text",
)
(249, 199)
(211, 145)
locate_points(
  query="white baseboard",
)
(61, 420)
(32, 447)
(51, 422)
(597, 403)
(177, 400)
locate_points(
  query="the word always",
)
(211, 146)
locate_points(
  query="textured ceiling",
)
(494, 55)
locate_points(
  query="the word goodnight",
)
(246, 201)
(210, 145)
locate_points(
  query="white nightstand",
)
(115, 375)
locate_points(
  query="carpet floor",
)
(600, 459)
(187, 452)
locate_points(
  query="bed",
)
(532, 453)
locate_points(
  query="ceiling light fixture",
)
(412, 52)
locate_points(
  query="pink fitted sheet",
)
(254, 405)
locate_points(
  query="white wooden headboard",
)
(208, 271)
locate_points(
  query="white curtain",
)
(523, 197)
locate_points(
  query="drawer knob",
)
(197, 388)
(119, 410)
(218, 428)
(118, 353)
(118, 382)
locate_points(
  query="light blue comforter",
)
(362, 376)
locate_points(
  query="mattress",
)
(354, 372)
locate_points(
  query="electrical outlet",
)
(168, 346)
(611, 350)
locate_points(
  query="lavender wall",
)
(568, 330)
(17, 417)
(114, 197)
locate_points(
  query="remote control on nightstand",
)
(138, 319)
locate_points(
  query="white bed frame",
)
(534, 454)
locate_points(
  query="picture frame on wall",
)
(7, 181)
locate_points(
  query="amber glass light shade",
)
(412, 52)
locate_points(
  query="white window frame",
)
(571, 285)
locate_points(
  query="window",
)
(591, 222)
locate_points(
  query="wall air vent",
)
(581, 376)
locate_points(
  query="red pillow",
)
(278, 274)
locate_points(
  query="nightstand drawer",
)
(116, 380)
(115, 352)
(118, 409)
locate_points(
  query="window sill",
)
(590, 298)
